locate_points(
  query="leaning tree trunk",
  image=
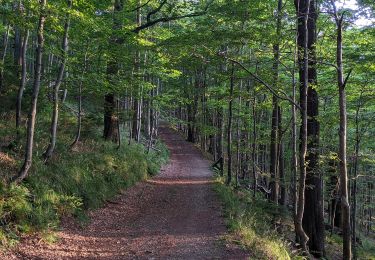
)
(55, 115)
(34, 99)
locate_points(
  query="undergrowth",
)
(72, 182)
(252, 221)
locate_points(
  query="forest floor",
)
(175, 215)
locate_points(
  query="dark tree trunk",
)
(303, 11)
(313, 221)
(110, 119)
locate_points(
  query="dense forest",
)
(279, 94)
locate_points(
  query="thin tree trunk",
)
(3, 55)
(229, 131)
(55, 115)
(294, 166)
(345, 208)
(79, 114)
(355, 173)
(274, 133)
(280, 156)
(22, 82)
(238, 137)
(36, 86)
(254, 144)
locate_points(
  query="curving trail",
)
(175, 215)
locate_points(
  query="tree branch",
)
(347, 78)
(148, 18)
(260, 80)
(139, 7)
(150, 22)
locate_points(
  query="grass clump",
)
(252, 223)
(71, 183)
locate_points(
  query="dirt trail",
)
(175, 215)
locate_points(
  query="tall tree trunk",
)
(34, 99)
(355, 173)
(254, 145)
(110, 118)
(138, 95)
(229, 131)
(294, 161)
(275, 185)
(283, 192)
(313, 220)
(345, 208)
(56, 89)
(22, 81)
(79, 113)
(303, 11)
(3, 55)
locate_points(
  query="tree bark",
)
(275, 185)
(23, 173)
(3, 55)
(355, 173)
(254, 145)
(303, 11)
(22, 82)
(79, 114)
(313, 220)
(110, 118)
(345, 207)
(229, 131)
(281, 164)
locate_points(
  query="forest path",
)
(175, 215)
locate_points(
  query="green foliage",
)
(77, 181)
(252, 222)
(367, 249)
